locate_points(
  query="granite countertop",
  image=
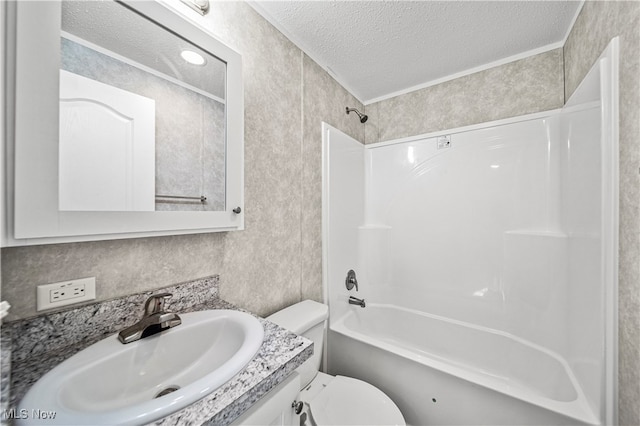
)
(39, 344)
(5, 371)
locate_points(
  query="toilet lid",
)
(347, 401)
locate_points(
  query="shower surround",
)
(487, 256)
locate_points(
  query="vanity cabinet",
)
(275, 408)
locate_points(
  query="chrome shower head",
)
(363, 117)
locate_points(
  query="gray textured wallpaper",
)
(521, 87)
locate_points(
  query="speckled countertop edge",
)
(47, 340)
(5, 369)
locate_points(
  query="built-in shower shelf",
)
(374, 227)
(534, 233)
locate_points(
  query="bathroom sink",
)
(113, 383)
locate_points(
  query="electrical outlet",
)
(64, 293)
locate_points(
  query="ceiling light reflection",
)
(193, 57)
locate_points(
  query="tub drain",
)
(166, 391)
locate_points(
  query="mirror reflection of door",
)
(107, 147)
(109, 44)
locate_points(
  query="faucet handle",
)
(351, 280)
(155, 303)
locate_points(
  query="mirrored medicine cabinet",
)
(128, 123)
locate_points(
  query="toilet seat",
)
(348, 401)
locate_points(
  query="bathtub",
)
(449, 372)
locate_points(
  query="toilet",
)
(326, 399)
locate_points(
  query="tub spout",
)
(356, 301)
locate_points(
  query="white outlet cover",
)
(43, 295)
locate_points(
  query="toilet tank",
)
(306, 319)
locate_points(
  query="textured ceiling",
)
(377, 48)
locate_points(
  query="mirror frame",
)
(32, 214)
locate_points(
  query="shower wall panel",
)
(473, 227)
(582, 220)
(343, 209)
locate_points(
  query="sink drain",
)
(166, 391)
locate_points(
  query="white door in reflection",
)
(107, 147)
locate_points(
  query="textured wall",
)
(261, 268)
(121, 267)
(525, 86)
(276, 260)
(322, 98)
(597, 24)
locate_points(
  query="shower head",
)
(363, 117)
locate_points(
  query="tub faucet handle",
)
(351, 280)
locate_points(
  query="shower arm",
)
(363, 117)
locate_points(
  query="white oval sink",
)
(113, 383)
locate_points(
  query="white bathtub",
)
(441, 371)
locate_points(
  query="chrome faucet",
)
(155, 320)
(356, 301)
